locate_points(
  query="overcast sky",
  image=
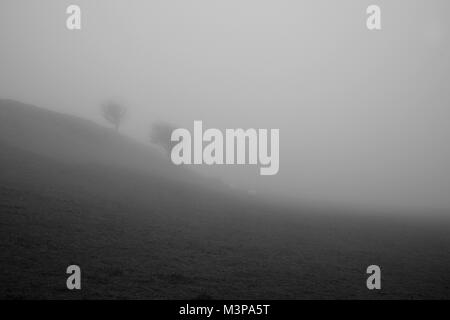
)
(364, 117)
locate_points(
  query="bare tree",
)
(160, 135)
(114, 113)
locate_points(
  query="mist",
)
(364, 116)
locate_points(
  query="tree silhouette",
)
(160, 135)
(114, 113)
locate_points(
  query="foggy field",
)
(163, 233)
(99, 100)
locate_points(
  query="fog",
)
(363, 115)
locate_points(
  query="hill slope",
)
(74, 193)
(77, 141)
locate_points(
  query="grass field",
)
(140, 234)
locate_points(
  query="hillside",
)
(75, 140)
(75, 193)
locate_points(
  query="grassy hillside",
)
(75, 140)
(75, 193)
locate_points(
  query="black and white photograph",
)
(224, 150)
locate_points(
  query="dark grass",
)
(196, 245)
(73, 193)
